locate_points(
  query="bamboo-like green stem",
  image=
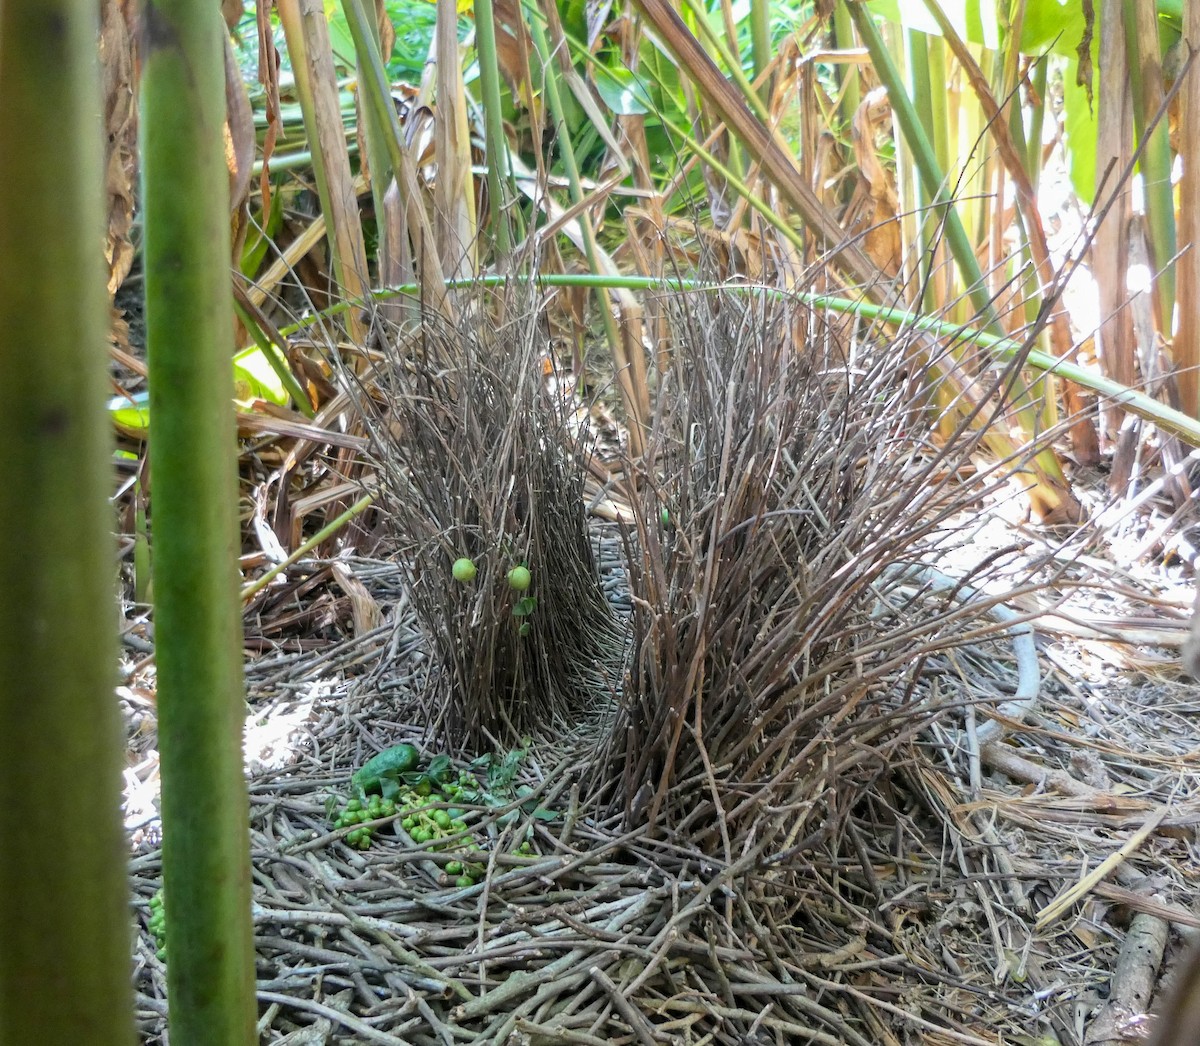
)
(1145, 75)
(327, 531)
(1002, 348)
(499, 176)
(64, 915)
(760, 36)
(379, 162)
(193, 455)
(843, 37)
(1037, 121)
(554, 104)
(932, 177)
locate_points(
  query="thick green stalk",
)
(1037, 121)
(307, 35)
(562, 132)
(760, 36)
(499, 177)
(197, 612)
(378, 162)
(843, 39)
(64, 915)
(1145, 76)
(919, 217)
(932, 178)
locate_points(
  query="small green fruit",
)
(665, 516)
(464, 570)
(519, 578)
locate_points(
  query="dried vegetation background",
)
(784, 780)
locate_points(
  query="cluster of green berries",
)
(426, 822)
(158, 924)
(355, 812)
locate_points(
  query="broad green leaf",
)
(622, 91)
(131, 414)
(1080, 124)
(339, 33)
(1055, 27)
(973, 20)
(255, 379)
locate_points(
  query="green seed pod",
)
(464, 570)
(519, 578)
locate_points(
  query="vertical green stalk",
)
(197, 612)
(923, 156)
(498, 173)
(843, 38)
(554, 105)
(1145, 76)
(760, 38)
(1037, 121)
(64, 915)
(923, 222)
(378, 162)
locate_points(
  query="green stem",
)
(327, 531)
(1001, 347)
(499, 177)
(64, 898)
(554, 104)
(193, 455)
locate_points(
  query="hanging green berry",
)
(464, 570)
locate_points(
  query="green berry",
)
(464, 570)
(665, 516)
(442, 818)
(464, 881)
(519, 578)
(454, 867)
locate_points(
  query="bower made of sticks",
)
(477, 462)
(772, 661)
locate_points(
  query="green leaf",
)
(131, 413)
(255, 378)
(525, 606)
(622, 91)
(1081, 126)
(439, 769)
(973, 20)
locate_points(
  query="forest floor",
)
(1002, 886)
